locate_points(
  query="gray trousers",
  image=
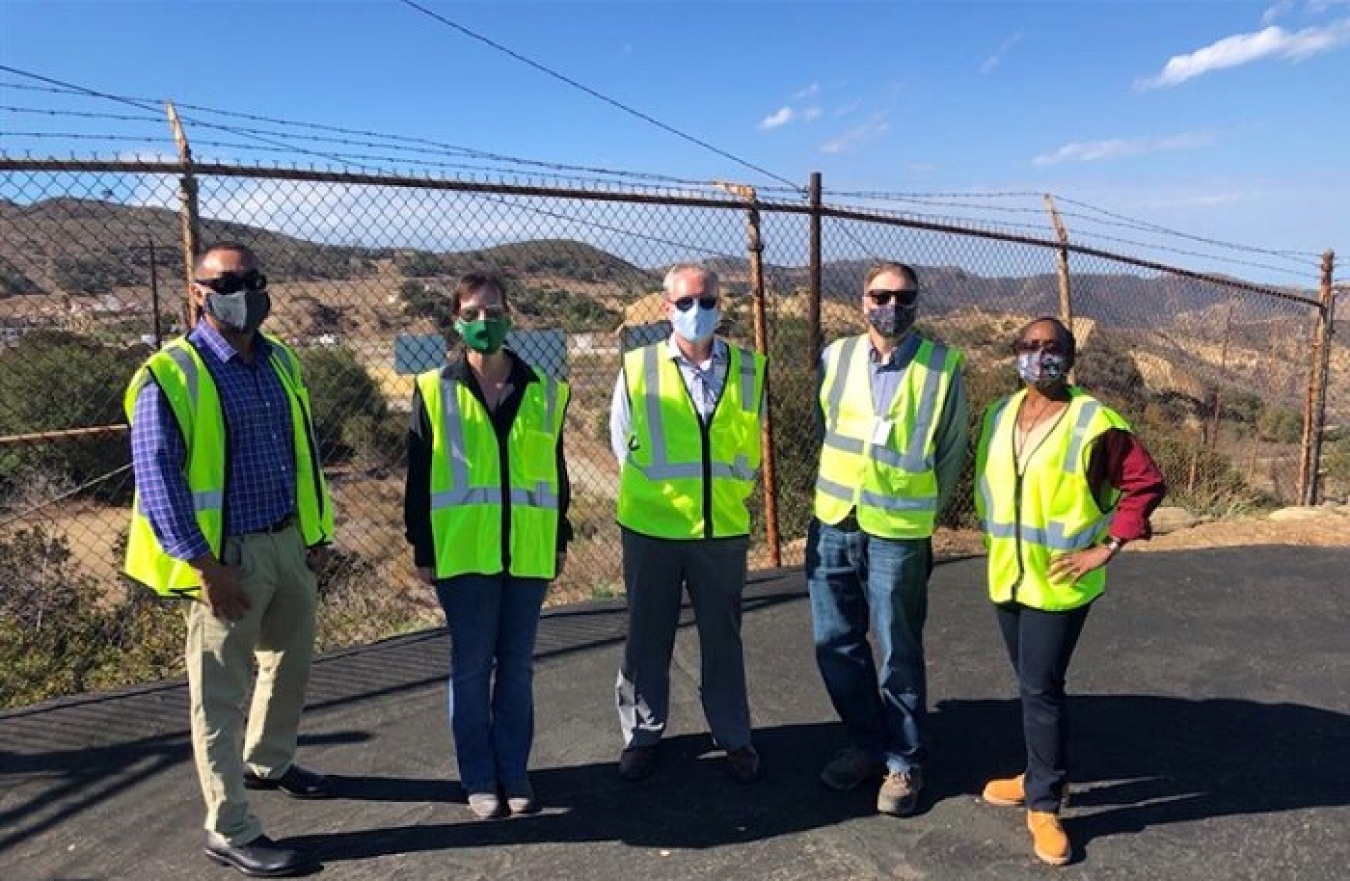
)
(655, 573)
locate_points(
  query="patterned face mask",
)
(892, 320)
(1042, 368)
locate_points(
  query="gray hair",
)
(668, 284)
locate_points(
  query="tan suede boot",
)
(1007, 792)
(1048, 837)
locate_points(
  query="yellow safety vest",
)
(882, 465)
(683, 479)
(1046, 512)
(467, 484)
(187, 386)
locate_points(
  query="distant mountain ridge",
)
(89, 246)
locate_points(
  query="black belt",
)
(281, 525)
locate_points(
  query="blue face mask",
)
(1041, 368)
(695, 324)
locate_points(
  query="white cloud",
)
(858, 136)
(1280, 9)
(1116, 148)
(781, 117)
(807, 93)
(1271, 42)
(847, 108)
(993, 60)
(810, 113)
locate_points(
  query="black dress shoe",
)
(296, 782)
(260, 858)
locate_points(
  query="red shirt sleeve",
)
(1119, 461)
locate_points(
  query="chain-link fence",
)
(1214, 374)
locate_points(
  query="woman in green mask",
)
(485, 509)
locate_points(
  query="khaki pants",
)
(277, 630)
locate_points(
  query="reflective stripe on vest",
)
(874, 463)
(1058, 514)
(466, 491)
(662, 493)
(190, 392)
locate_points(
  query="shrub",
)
(86, 381)
(57, 637)
(343, 393)
(1280, 425)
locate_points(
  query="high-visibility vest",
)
(882, 465)
(469, 490)
(684, 479)
(1049, 510)
(189, 389)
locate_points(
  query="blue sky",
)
(1222, 119)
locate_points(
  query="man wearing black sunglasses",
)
(232, 513)
(685, 427)
(894, 414)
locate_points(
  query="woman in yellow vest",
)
(1062, 484)
(485, 509)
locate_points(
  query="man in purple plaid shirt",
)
(233, 512)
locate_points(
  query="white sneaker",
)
(485, 805)
(520, 797)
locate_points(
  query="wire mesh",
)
(1213, 376)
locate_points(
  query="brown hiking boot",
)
(899, 793)
(1048, 837)
(1011, 792)
(1007, 792)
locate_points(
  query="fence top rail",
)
(723, 202)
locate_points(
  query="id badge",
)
(881, 432)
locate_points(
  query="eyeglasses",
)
(481, 313)
(902, 297)
(684, 304)
(1054, 347)
(234, 282)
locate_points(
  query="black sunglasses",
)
(903, 298)
(234, 282)
(1054, 347)
(685, 303)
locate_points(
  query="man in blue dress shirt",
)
(232, 512)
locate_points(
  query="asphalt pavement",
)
(1211, 740)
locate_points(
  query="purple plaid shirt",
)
(260, 471)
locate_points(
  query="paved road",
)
(1212, 741)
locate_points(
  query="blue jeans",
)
(493, 620)
(853, 576)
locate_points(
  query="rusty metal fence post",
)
(187, 196)
(755, 250)
(813, 331)
(1315, 405)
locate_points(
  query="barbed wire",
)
(385, 140)
(1154, 227)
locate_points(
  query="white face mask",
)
(696, 324)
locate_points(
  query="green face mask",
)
(485, 335)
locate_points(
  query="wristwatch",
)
(1113, 544)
